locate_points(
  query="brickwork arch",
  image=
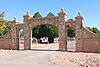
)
(41, 21)
(58, 21)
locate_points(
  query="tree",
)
(4, 24)
(94, 30)
(35, 31)
(70, 20)
(71, 32)
(2, 14)
(50, 14)
(46, 30)
(89, 28)
(37, 15)
(4, 27)
(53, 31)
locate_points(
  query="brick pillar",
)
(14, 34)
(62, 31)
(27, 32)
(79, 32)
(17, 46)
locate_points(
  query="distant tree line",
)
(94, 30)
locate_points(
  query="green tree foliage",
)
(4, 27)
(4, 24)
(37, 15)
(50, 14)
(71, 32)
(94, 30)
(35, 32)
(49, 31)
(2, 14)
(70, 20)
(89, 28)
(46, 30)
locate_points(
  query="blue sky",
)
(90, 9)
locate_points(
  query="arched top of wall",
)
(70, 24)
(20, 26)
(33, 22)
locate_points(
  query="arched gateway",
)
(85, 39)
(59, 21)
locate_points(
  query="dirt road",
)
(28, 58)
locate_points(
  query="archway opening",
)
(45, 37)
(71, 45)
(21, 40)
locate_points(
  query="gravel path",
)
(27, 59)
(45, 55)
(76, 59)
(39, 56)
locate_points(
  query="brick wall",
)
(6, 41)
(90, 41)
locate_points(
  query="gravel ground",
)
(76, 59)
(27, 58)
(7, 52)
(44, 55)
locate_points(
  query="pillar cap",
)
(79, 13)
(62, 9)
(62, 12)
(14, 17)
(79, 16)
(27, 13)
(15, 20)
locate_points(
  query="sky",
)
(90, 9)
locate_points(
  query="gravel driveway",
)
(39, 56)
(27, 58)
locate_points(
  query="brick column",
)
(79, 32)
(27, 32)
(62, 31)
(14, 34)
(17, 46)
